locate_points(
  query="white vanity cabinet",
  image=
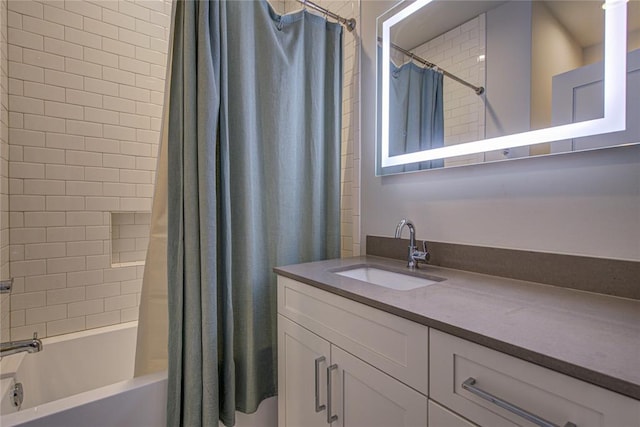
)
(328, 341)
(367, 367)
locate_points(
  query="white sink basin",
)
(388, 279)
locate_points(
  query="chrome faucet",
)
(414, 255)
(32, 345)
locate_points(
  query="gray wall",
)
(578, 203)
(508, 64)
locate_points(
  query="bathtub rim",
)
(60, 405)
(9, 364)
(87, 333)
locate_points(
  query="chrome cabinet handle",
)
(330, 418)
(469, 385)
(318, 361)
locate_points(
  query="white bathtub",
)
(83, 379)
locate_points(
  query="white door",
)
(303, 358)
(363, 396)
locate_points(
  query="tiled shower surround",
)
(86, 88)
(82, 93)
(129, 238)
(4, 173)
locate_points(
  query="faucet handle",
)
(422, 256)
(35, 335)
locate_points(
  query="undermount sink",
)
(388, 279)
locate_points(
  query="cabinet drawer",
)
(392, 344)
(549, 395)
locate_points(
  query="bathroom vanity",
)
(466, 349)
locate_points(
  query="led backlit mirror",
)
(569, 68)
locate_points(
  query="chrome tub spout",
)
(32, 345)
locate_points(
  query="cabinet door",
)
(363, 396)
(301, 380)
(442, 417)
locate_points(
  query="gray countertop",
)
(592, 337)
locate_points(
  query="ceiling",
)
(588, 29)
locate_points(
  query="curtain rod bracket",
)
(350, 23)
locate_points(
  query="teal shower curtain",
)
(254, 174)
(416, 113)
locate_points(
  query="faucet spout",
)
(412, 231)
(32, 345)
(414, 255)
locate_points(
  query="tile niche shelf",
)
(129, 238)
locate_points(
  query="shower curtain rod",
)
(479, 90)
(349, 23)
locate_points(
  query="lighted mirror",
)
(464, 82)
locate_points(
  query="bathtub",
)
(80, 379)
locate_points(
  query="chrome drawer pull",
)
(330, 418)
(469, 385)
(319, 407)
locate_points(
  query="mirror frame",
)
(615, 69)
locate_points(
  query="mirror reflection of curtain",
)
(416, 121)
(253, 177)
(416, 114)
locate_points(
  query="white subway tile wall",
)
(84, 82)
(459, 52)
(350, 177)
(5, 299)
(129, 238)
